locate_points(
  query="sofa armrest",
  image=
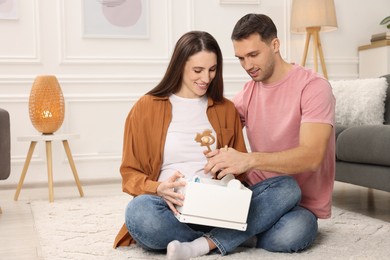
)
(364, 144)
(5, 145)
(339, 129)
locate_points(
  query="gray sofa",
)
(363, 152)
(5, 145)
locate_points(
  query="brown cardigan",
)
(144, 139)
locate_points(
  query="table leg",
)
(25, 167)
(50, 170)
(73, 167)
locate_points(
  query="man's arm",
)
(307, 157)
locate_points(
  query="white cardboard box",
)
(215, 203)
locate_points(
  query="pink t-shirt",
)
(273, 114)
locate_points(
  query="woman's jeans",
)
(274, 217)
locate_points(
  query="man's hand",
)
(226, 161)
(166, 190)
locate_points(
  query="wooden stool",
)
(48, 139)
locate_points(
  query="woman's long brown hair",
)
(188, 45)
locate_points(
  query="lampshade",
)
(313, 13)
(46, 104)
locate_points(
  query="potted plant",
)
(384, 35)
(386, 22)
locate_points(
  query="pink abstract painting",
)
(8, 9)
(116, 18)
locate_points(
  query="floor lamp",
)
(313, 16)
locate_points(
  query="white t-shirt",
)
(181, 152)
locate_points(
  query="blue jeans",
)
(274, 217)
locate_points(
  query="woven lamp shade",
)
(46, 104)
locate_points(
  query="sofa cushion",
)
(387, 102)
(364, 144)
(360, 101)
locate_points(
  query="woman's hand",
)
(166, 190)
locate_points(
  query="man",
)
(288, 113)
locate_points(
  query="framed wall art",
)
(9, 9)
(116, 18)
(238, 2)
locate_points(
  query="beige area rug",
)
(84, 228)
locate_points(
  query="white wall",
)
(102, 78)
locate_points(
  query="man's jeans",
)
(274, 217)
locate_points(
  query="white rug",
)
(85, 228)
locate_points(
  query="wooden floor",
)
(18, 238)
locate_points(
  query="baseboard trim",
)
(63, 183)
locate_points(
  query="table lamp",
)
(313, 16)
(46, 104)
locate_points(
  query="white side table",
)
(48, 139)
